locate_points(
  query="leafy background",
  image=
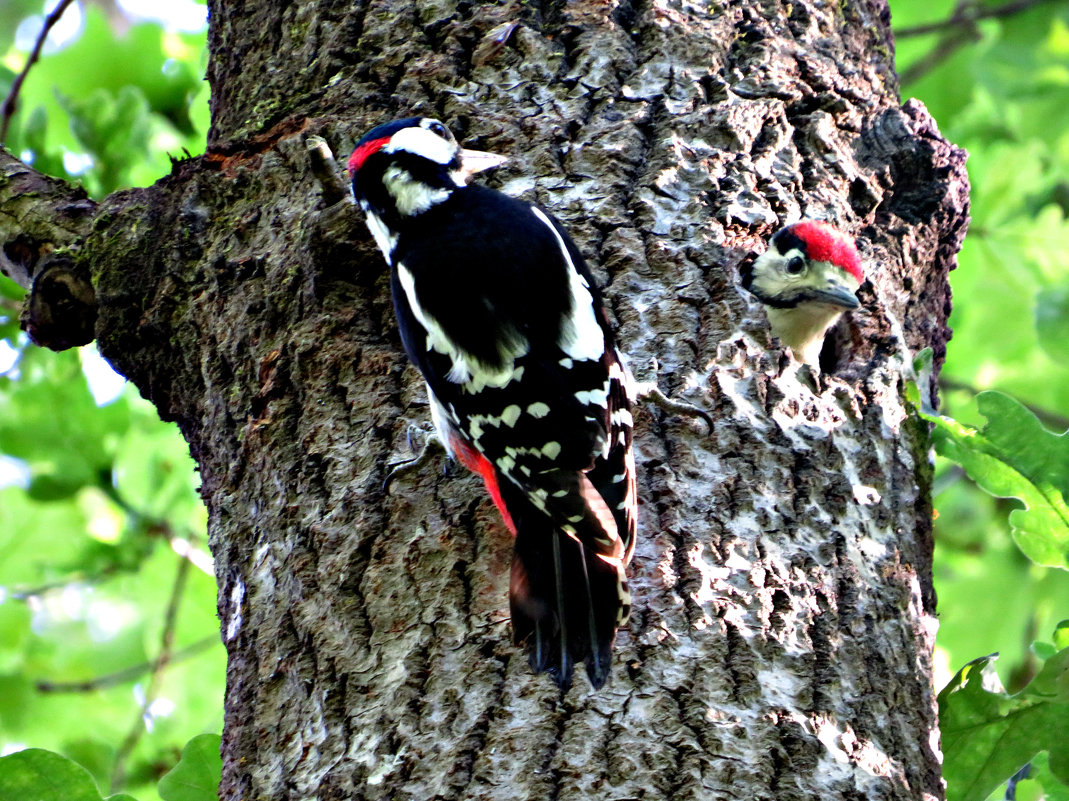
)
(103, 563)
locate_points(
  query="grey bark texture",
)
(781, 642)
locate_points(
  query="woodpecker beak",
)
(842, 298)
(473, 161)
(835, 293)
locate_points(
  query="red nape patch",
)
(827, 243)
(356, 161)
(479, 464)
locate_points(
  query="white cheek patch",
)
(581, 336)
(768, 274)
(410, 196)
(421, 142)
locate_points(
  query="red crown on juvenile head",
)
(826, 243)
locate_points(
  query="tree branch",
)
(967, 14)
(25, 593)
(7, 111)
(126, 674)
(961, 30)
(38, 214)
(947, 46)
(118, 774)
(325, 169)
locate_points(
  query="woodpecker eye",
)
(796, 265)
(436, 127)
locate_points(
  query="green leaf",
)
(39, 775)
(153, 471)
(197, 775)
(34, 137)
(14, 631)
(48, 418)
(19, 696)
(1014, 456)
(1041, 783)
(113, 128)
(143, 57)
(10, 290)
(1052, 322)
(922, 360)
(989, 735)
(1061, 635)
(34, 536)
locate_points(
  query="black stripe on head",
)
(746, 270)
(783, 301)
(425, 170)
(785, 240)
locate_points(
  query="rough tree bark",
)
(780, 647)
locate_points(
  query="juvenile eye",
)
(796, 266)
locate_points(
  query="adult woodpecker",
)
(806, 279)
(498, 311)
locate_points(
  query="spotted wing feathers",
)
(531, 394)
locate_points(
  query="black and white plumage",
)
(498, 311)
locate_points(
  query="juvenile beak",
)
(833, 288)
(835, 296)
(473, 161)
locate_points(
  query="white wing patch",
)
(384, 238)
(440, 417)
(581, 336)
(620, 372)
(510, 414)
(466, 369)
(538, 410)
(598, 397)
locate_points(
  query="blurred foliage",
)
(105, 500)
(111, 111)
(99, 507)
(999, 87)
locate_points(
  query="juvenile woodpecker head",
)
(808, 276)
(402, 168)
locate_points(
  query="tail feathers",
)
(566, 602)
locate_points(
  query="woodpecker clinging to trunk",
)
(806, 279)
(498, 311)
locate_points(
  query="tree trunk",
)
(780, 646)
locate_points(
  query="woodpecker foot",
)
(431, 445)
(647, 392)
